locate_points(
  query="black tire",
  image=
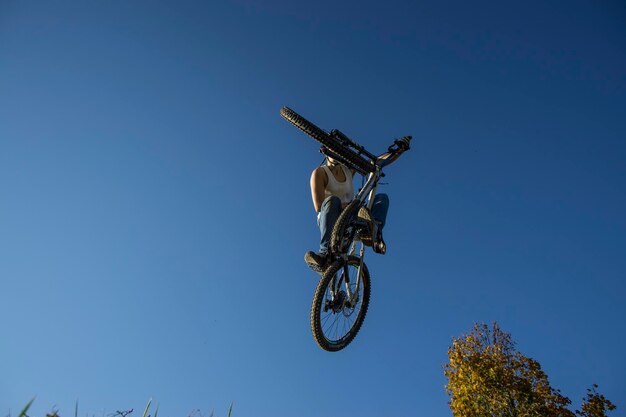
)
(325, 139)
(341, 237)
(334, 326)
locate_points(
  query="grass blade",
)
(230, 410)
(25, 410)
(145, 413)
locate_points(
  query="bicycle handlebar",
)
(350, 142)
(398, 147)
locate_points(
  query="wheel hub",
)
(337, 304)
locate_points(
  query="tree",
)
(488, 377)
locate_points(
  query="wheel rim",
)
(338, 318)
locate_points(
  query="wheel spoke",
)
(334, 324)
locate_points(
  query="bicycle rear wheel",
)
(343, 231)
(327, 140)
(335, 320)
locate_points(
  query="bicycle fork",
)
(353, 297)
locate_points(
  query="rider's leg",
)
(380, 208)
(379, 212)
(326, 219)
(329, 213)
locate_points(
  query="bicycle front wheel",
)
(339, 307)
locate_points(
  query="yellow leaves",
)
(595, 404)
(487, 376)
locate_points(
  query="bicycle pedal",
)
(365, 215)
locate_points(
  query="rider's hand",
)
(404, 143)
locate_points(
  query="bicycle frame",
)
(365, 196)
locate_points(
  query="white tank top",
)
(344, 190)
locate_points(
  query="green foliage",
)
(487, 376)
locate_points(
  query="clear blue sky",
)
(154, 206)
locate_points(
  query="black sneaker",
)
(380, 246)
(316, 261)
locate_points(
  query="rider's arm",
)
(388, 157)
(319, 181)
(399, 146)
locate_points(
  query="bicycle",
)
(342, 296)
